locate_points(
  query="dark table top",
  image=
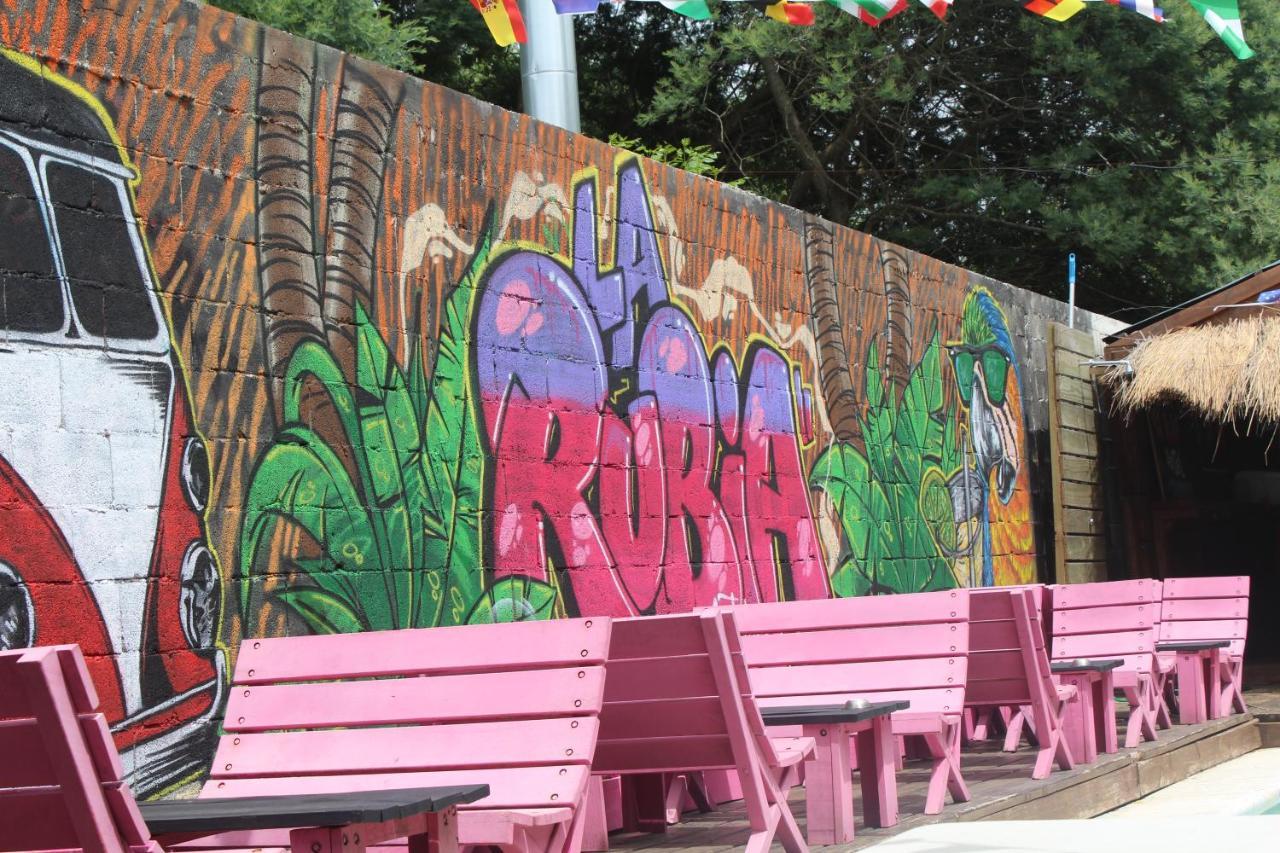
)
(1085, 665)
(1192, 646)
(229, 814)
(849, 712)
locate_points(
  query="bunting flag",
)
(576, 7)
(507, 26)
(795, 14)
(937, 7)
(1146, 8)
(503, 19)
(1224, 17)
(698, 10)
(1055, 10)
(872, 12)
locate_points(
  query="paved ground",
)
(1247, 784)
(1168, 835)
(993, 776)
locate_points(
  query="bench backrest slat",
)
(422, 651)
(912, 647)
(1206, 608)
(514, 705)
(1107, 619)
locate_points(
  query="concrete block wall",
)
(293, 343)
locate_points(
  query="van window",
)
(108, 286)
(30, 296)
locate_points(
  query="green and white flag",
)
(696, 9)
(1224, 17)
(878, 8)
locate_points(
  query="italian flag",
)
(1224, 17)
(503, 19)
(696, 9)
(870, 12)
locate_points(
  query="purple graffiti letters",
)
(655, 477)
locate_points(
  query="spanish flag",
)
(796, 14)
(503, 17)
(1055, 10)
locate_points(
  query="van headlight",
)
(195, 473)
(200, 598)
(17, 616)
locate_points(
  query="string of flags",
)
(507, 26)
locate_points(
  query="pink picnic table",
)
(1199, 698)
(828, 798)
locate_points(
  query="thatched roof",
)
(1228, 372)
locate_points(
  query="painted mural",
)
(294, 344)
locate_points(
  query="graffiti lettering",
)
(653, 476)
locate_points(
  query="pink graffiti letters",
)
(651, 475)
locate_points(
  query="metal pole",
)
(1071, 288)
(549, 66)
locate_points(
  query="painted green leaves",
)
(387, 497)
(891, 498)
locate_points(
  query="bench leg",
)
(1191, 688)
(829, 786)
(876, 773)
(944, 747)
(595, 832)
(1079, 726)
(1232, 701)
(1104, 704)
(1142, 714)
(441, 835)
(316, 839)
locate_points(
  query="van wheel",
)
(17, 615)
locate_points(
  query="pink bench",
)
(677, 700)
(1113, 619)
(515, 706)
(826, 652)
(1009, 666)
(61, 782)
(978, 718)
(1205, 610)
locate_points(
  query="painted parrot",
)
(987, 379)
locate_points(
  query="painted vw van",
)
(103, 479)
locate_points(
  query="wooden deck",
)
(1001, 786)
